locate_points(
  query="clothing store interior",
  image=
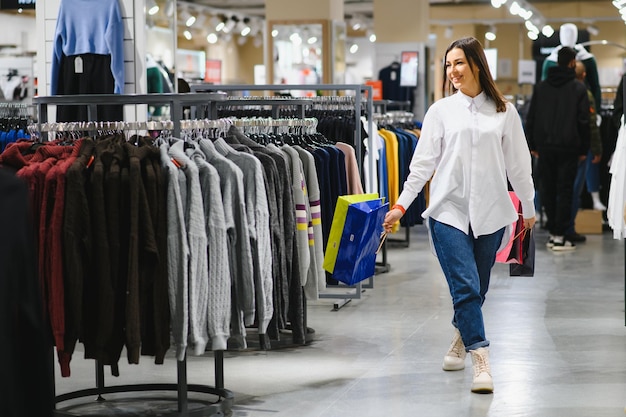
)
(193, 192)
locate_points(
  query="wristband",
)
(399, 207)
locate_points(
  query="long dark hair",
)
(476, 58)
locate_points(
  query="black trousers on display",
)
(95, 78)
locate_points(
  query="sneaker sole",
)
(482, 389)
(453, 366)
(563, 248)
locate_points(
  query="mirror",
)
(300, 52)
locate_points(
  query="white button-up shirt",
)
(472, 150)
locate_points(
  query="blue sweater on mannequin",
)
(89, 27)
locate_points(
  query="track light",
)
(152, 7)
(490, 35)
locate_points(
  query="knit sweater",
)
(77, 248)
(177, 255)
(273, 187)
(316, 276)
(198, 279)
(240, 251)
(303, 212)
(257, 213)
(89, 27)
(219, 297)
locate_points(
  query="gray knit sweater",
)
(258, 216)
(219, 297)
(177, 255)
(240, 252)
(198, 278)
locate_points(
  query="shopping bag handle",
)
(383, 236)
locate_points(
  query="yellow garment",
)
(393, 174)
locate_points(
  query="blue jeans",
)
(466, 262)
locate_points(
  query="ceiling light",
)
(212, 38)
(274, 33)
(311, 40)
(490, 35)
(152, 7)
(533, 36)
(547, 31)
(190, 21)
(295, 38)
(354, 48)
(372, 38)
(187, 35)
(245, 27)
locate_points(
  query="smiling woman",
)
(472, 142)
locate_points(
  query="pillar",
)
(403, 25)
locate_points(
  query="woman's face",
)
(461, 74)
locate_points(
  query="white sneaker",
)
(455, 357)
(482, 383)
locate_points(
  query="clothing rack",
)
(360, 103)
(392, 117)
(225, 397)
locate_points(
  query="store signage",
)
(17, 4)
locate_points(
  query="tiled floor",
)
(558, 346)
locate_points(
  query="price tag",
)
(78, 65)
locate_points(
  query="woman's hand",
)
(530, 222)
(391, 218)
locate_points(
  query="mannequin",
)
(568, 35)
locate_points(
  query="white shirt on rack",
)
(472, 150)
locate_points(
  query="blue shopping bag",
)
(356, 257)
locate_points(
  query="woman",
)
(473, 142)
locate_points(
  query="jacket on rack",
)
(26, 386)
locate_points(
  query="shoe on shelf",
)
(562, 245)
(576, 238)
(455, 357)
(482, 382)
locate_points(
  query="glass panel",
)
(298, 53)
